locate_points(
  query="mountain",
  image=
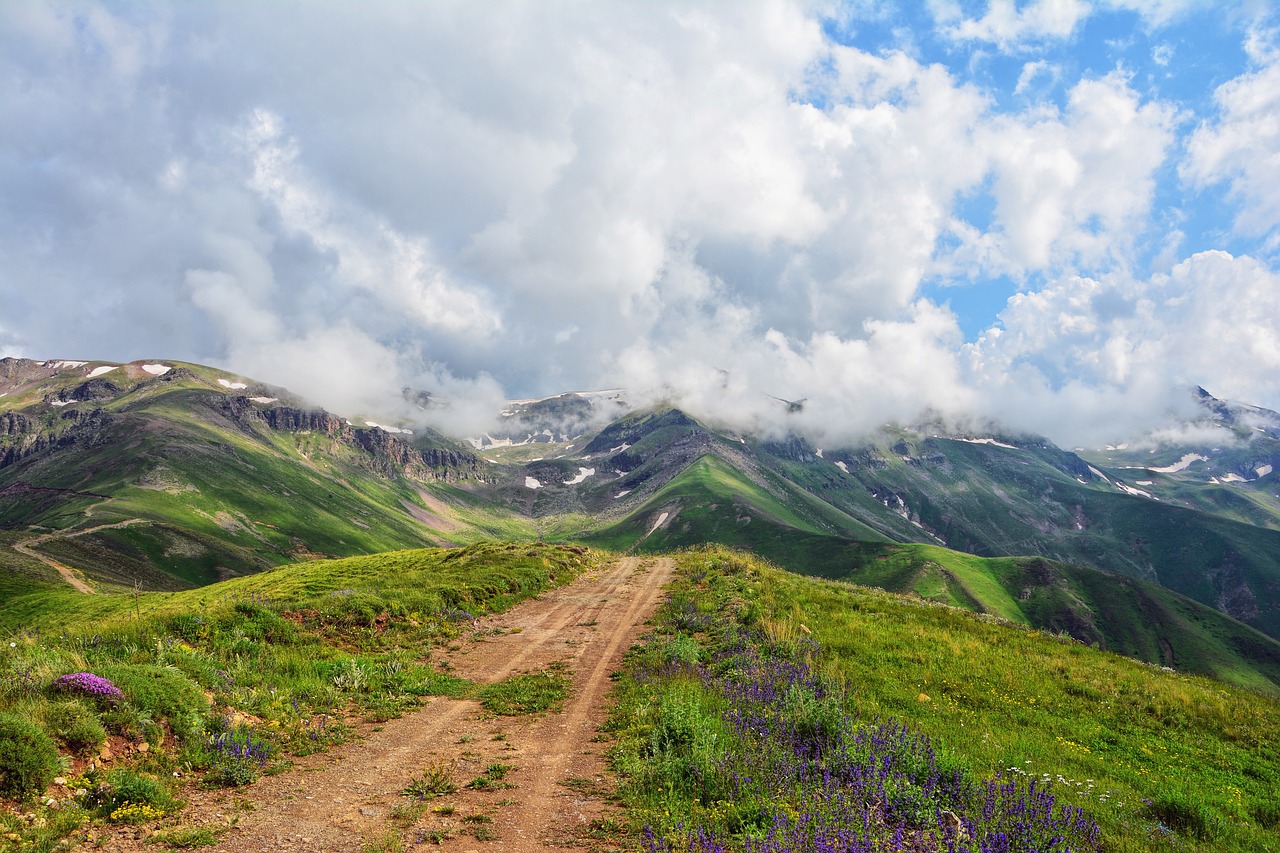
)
(167, 474)
(164, 475)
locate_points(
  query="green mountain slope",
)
(998, 498)
(179, 479)
(711, 502)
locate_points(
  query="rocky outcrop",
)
(381, 451)
(22, 436)
(391, 456)
(94, 389)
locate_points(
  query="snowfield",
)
(234, 386)
(98, 371)
(157, 369)
(390, 429)
(1182, 464)
(531, 483)
(991, 441)
(583, 474)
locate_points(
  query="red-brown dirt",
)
(554, 795)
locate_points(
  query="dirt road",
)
(551, 796)
(70, 575)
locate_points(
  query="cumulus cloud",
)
(1102, 359)
(1007, 25)
(1241, 147)
(1071, 187)
(710, 204)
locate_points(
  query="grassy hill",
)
(181, 480)
(995, 498)
(713, 502)
(798, 712)
(755, 686)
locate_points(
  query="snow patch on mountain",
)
(264, 400)
(991, 441)
(1098, 473)
(1262, 470)
(64, 365)
(98, 371)
(1130, 490)
(622, 494)
(234, 386)
(390, 429)
(532, 483)
(1182, 464)
(157, 369)
(583, 474)
(843, 467)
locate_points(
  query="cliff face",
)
(22, 436)
(39, 430)
(383, 452)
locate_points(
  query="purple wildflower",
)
(87, 684)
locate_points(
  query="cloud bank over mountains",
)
(708, 204)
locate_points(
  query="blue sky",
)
(1053, 215)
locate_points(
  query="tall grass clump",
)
(819, 716)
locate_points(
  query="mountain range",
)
(167, 475)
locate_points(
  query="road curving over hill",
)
(555, 788)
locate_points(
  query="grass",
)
(710, 502)
(1158, 760)
(530, 693)
(226, 682)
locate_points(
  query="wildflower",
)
(86, 684)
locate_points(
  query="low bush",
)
(162, 692)
(28, 758)
(127, 796)
(75, 726)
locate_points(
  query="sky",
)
(1055, 216)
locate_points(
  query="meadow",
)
(125, 699)
(770, 712)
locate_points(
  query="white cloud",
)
(1070, 188)
(710, 203)
(1007, 25)
(1101, 359)
(1242, 149)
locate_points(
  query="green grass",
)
(297, 650)
(530, 693)
(1196, 755)
(711, 502)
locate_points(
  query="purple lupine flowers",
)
(87, 684)
(851, 785)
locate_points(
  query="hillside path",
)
(342, 800)
(70, 575)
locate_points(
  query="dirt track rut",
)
(342, 800)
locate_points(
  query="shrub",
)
(162, 692)
(75, 726)
(237, 756)
(126, 796)
(28, 758)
